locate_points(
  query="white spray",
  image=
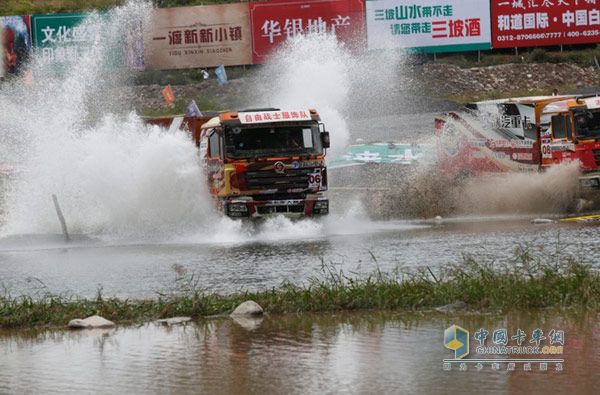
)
(116, 176)
(113, 174)
(311, 71)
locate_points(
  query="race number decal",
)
(315, 180)
(546, 150)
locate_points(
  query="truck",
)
(525, 134)
(262, 162)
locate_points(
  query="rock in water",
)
(248, 323)
(94, 321)
(541, 221)
(247, 309)
(174, 320)
(449, 308)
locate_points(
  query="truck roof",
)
(587, 101)
(263, 116)
(212, 123)
(557, 106)
(525, 99)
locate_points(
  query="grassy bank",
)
(581, 55)
(524, 283)
(25, 7)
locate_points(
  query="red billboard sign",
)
(529, 23)
(277, 21)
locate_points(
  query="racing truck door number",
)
(546, 150)
(315, 180)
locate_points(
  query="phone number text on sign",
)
(544, 22)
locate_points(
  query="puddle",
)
(382, 352)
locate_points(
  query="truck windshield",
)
(273, 141)
(587, 124)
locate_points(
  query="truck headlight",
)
(590, 182)
(321, 204)
(237, 208)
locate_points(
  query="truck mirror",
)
(325, 139)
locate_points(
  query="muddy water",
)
(343, 353)
(39, 264)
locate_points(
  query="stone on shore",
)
(248, 309)
(94, 321)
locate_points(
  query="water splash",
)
(319, 72)
(113, 174)
(119, 178)
(309, 72)
(549, 192)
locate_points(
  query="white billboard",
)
(430, 25)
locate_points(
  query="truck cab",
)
(522, 134)
(493, 136)
(574, 135)
(263, 162)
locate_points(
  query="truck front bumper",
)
(590, 181)
(295, 208)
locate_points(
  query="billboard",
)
(277, 21)
(528, 23)
(62, 38)
(66, 38)
(202, 36)
(429, 25)
(15, 44)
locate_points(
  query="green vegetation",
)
(583, 56)
(525, 282)
(25, 7)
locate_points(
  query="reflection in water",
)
(139, 271)
(384, 352)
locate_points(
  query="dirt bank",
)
(431, 80)
(451, 80)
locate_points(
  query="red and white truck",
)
(262, 162)
(523, 134)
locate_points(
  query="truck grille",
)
(297, 208)
(269, 179)
(597, 156)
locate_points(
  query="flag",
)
(221, 75)
(168, 95)
(192, 110)
(27, 77)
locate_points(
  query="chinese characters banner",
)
(527, 23)
(202, 36)
(275, 22)
(430, 25)
(63, 38)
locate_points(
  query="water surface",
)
(291, 253)
(385, 352)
